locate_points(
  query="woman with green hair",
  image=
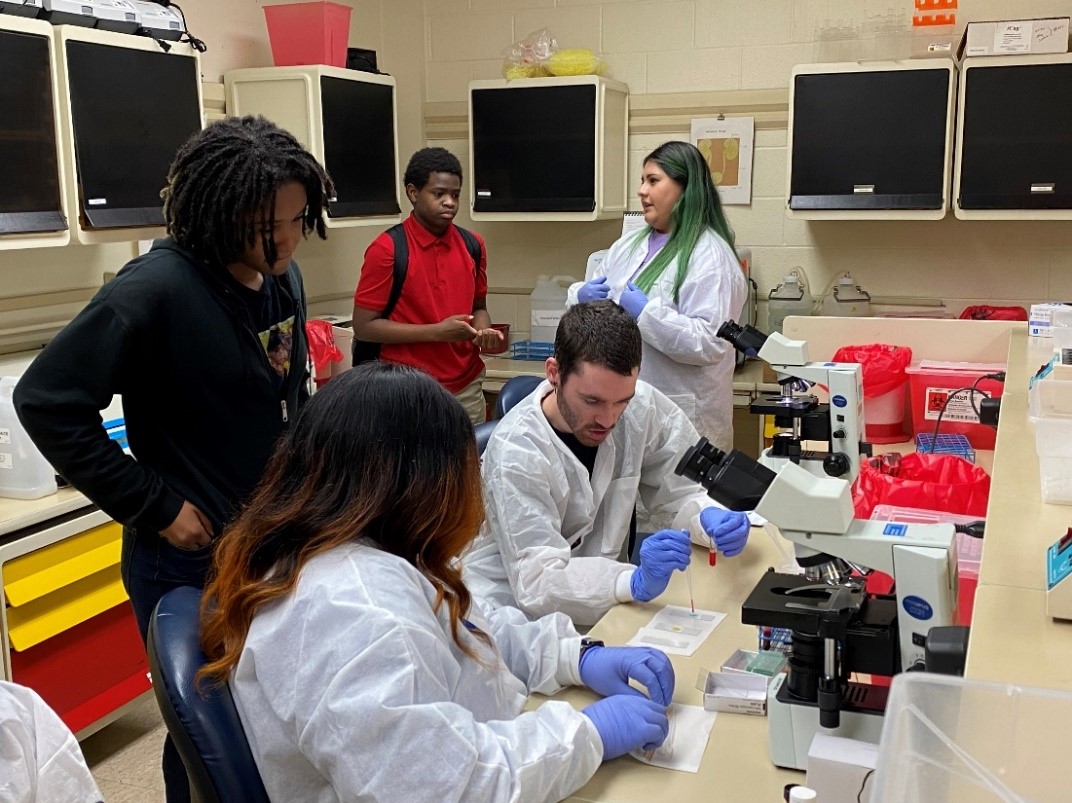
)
(680, 278)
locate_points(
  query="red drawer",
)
(89, 670)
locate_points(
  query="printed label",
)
(958, 408)
(546, 317)
(5, 435)
(917, 608)
(7, 460)
(96, 201)
(1013, 37)
(895, 529)
(839, 401)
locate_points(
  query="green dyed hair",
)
(697, 209)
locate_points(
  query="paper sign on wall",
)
(726, 145)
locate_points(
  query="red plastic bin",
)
(308, 33)
(930, 383)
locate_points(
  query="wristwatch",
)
(588, 643)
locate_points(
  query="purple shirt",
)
(655, 242)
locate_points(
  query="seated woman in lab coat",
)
(679, 278)
(360, 666)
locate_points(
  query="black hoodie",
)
(202, 412)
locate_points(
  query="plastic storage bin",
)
(308, 33)
(949, 739)
(969, 549)
(930, 383)
(1050, 408)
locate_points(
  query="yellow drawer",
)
(45, 617)
(53, 567)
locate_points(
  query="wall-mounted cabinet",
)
(1014, 139)
(127, 107)
(33, 196)
(347, 119)
(548, 148)
(871, 140)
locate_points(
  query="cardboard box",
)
(736, 692)
(1015, 37)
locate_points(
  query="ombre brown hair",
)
(382, 453)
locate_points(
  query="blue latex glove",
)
(628, 723)
(633, 300)
(660, 554)
(607, 670)
(728, 529)
(595, 290)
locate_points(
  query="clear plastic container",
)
(947, 739)
(1050, 408)
(547, 302)
(791, 297)
(847, 299)
(24, 472)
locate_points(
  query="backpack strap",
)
(472, 245)
(398, 236)
(366, 351)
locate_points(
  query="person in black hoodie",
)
(203, 337)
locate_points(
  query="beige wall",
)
(659, 47)
(675, 46)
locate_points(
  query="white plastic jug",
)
(547, 302)
(847, 299)
(791, 297)
(24, 472)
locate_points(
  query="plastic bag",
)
(322, 346)
(986, 312)
(928, 481)
(576, 61)
(883, 365)
(529, 57)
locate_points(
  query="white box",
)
(737, 693)
(838, 768)
(1010, 37)
(1040, 319)
(344, 342)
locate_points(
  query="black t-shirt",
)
(587, 456)
(272, 314)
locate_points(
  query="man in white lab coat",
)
(562, 474)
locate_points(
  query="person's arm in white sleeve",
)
(670, 434)
(543, 653)
(383, 726)
(544, 576)
(712, 293)
(40, 760)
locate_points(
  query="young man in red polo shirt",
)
(441, 320)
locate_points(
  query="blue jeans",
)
(151, 567)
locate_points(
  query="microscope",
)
(800, 416)
(837, 627)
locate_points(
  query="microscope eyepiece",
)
(734, 479)
(746, 339)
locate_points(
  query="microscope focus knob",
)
(836, 464)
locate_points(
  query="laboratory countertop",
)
(1012, 639)
(736, 764)
(17, 514)
(745, 379)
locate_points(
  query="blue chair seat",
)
(514, 390)
(203, 722)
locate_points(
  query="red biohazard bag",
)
(985, 312)
(322, 346)
(883, 366)
(930, 481)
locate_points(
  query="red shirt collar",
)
(421, 235)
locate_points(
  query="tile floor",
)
(124, 756)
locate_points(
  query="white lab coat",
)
(40, 761)
(351, 688)
(683, 357)
(552, 537)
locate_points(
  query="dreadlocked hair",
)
(220, 193)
